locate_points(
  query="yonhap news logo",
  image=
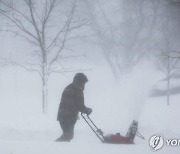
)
(157, 142)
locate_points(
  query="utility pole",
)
(168, 80)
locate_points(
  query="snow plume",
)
(135, 88)
(116, 105)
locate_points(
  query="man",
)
(72, 102)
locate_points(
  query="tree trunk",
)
(44, 89)
(168, 82)
(44, 96)
(168, 91)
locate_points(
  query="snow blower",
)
(114, 138)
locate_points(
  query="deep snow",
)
(24, 130)
(78, 147)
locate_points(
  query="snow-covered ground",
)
(24, 130)
(76, 147)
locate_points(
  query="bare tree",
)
(124, 42)
(167, 61)
(169, 66)
(35, 24)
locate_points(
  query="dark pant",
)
(67, 124)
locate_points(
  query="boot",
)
(62, 139)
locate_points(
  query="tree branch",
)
(30, 5)
(65, 36)
(19, 25)
(11, 62)
(17, 11)
(46, 17)
(23, 36)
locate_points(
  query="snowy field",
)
(125, 38)
(24, 130)
(76, 148)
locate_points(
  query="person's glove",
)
(88, 111)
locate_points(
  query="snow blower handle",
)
(98, 132)
(139, 135)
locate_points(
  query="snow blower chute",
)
(114, 138)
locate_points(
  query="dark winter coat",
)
(72, 101)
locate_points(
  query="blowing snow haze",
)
(129, 51)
